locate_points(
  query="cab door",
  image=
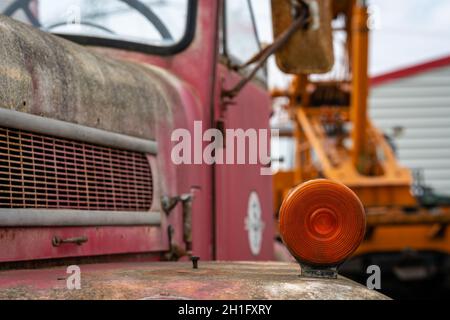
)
(243, 193)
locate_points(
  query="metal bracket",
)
(321, 273)
(169, 203)
(175, 251)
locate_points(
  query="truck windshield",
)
(161, 23)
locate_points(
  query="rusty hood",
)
(178, 281)
(45, 75)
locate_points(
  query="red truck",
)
(91, 100)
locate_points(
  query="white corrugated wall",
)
(421, 105)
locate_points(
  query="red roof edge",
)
(411, 71)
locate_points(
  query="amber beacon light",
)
(322, 223)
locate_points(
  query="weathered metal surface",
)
(217, 281)
(192, 81)
(120, 91)
(48, 76)
(81, 85)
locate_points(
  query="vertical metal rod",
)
(360, 55)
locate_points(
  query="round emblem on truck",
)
(254, 224)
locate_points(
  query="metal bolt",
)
(195, 260)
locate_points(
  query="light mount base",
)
(308, 271)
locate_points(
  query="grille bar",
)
(72, 131)
(39, 172)
(76, 218)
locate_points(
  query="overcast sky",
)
(407, 32)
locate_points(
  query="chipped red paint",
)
(24, 244)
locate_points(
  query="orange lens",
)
(322, 222)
